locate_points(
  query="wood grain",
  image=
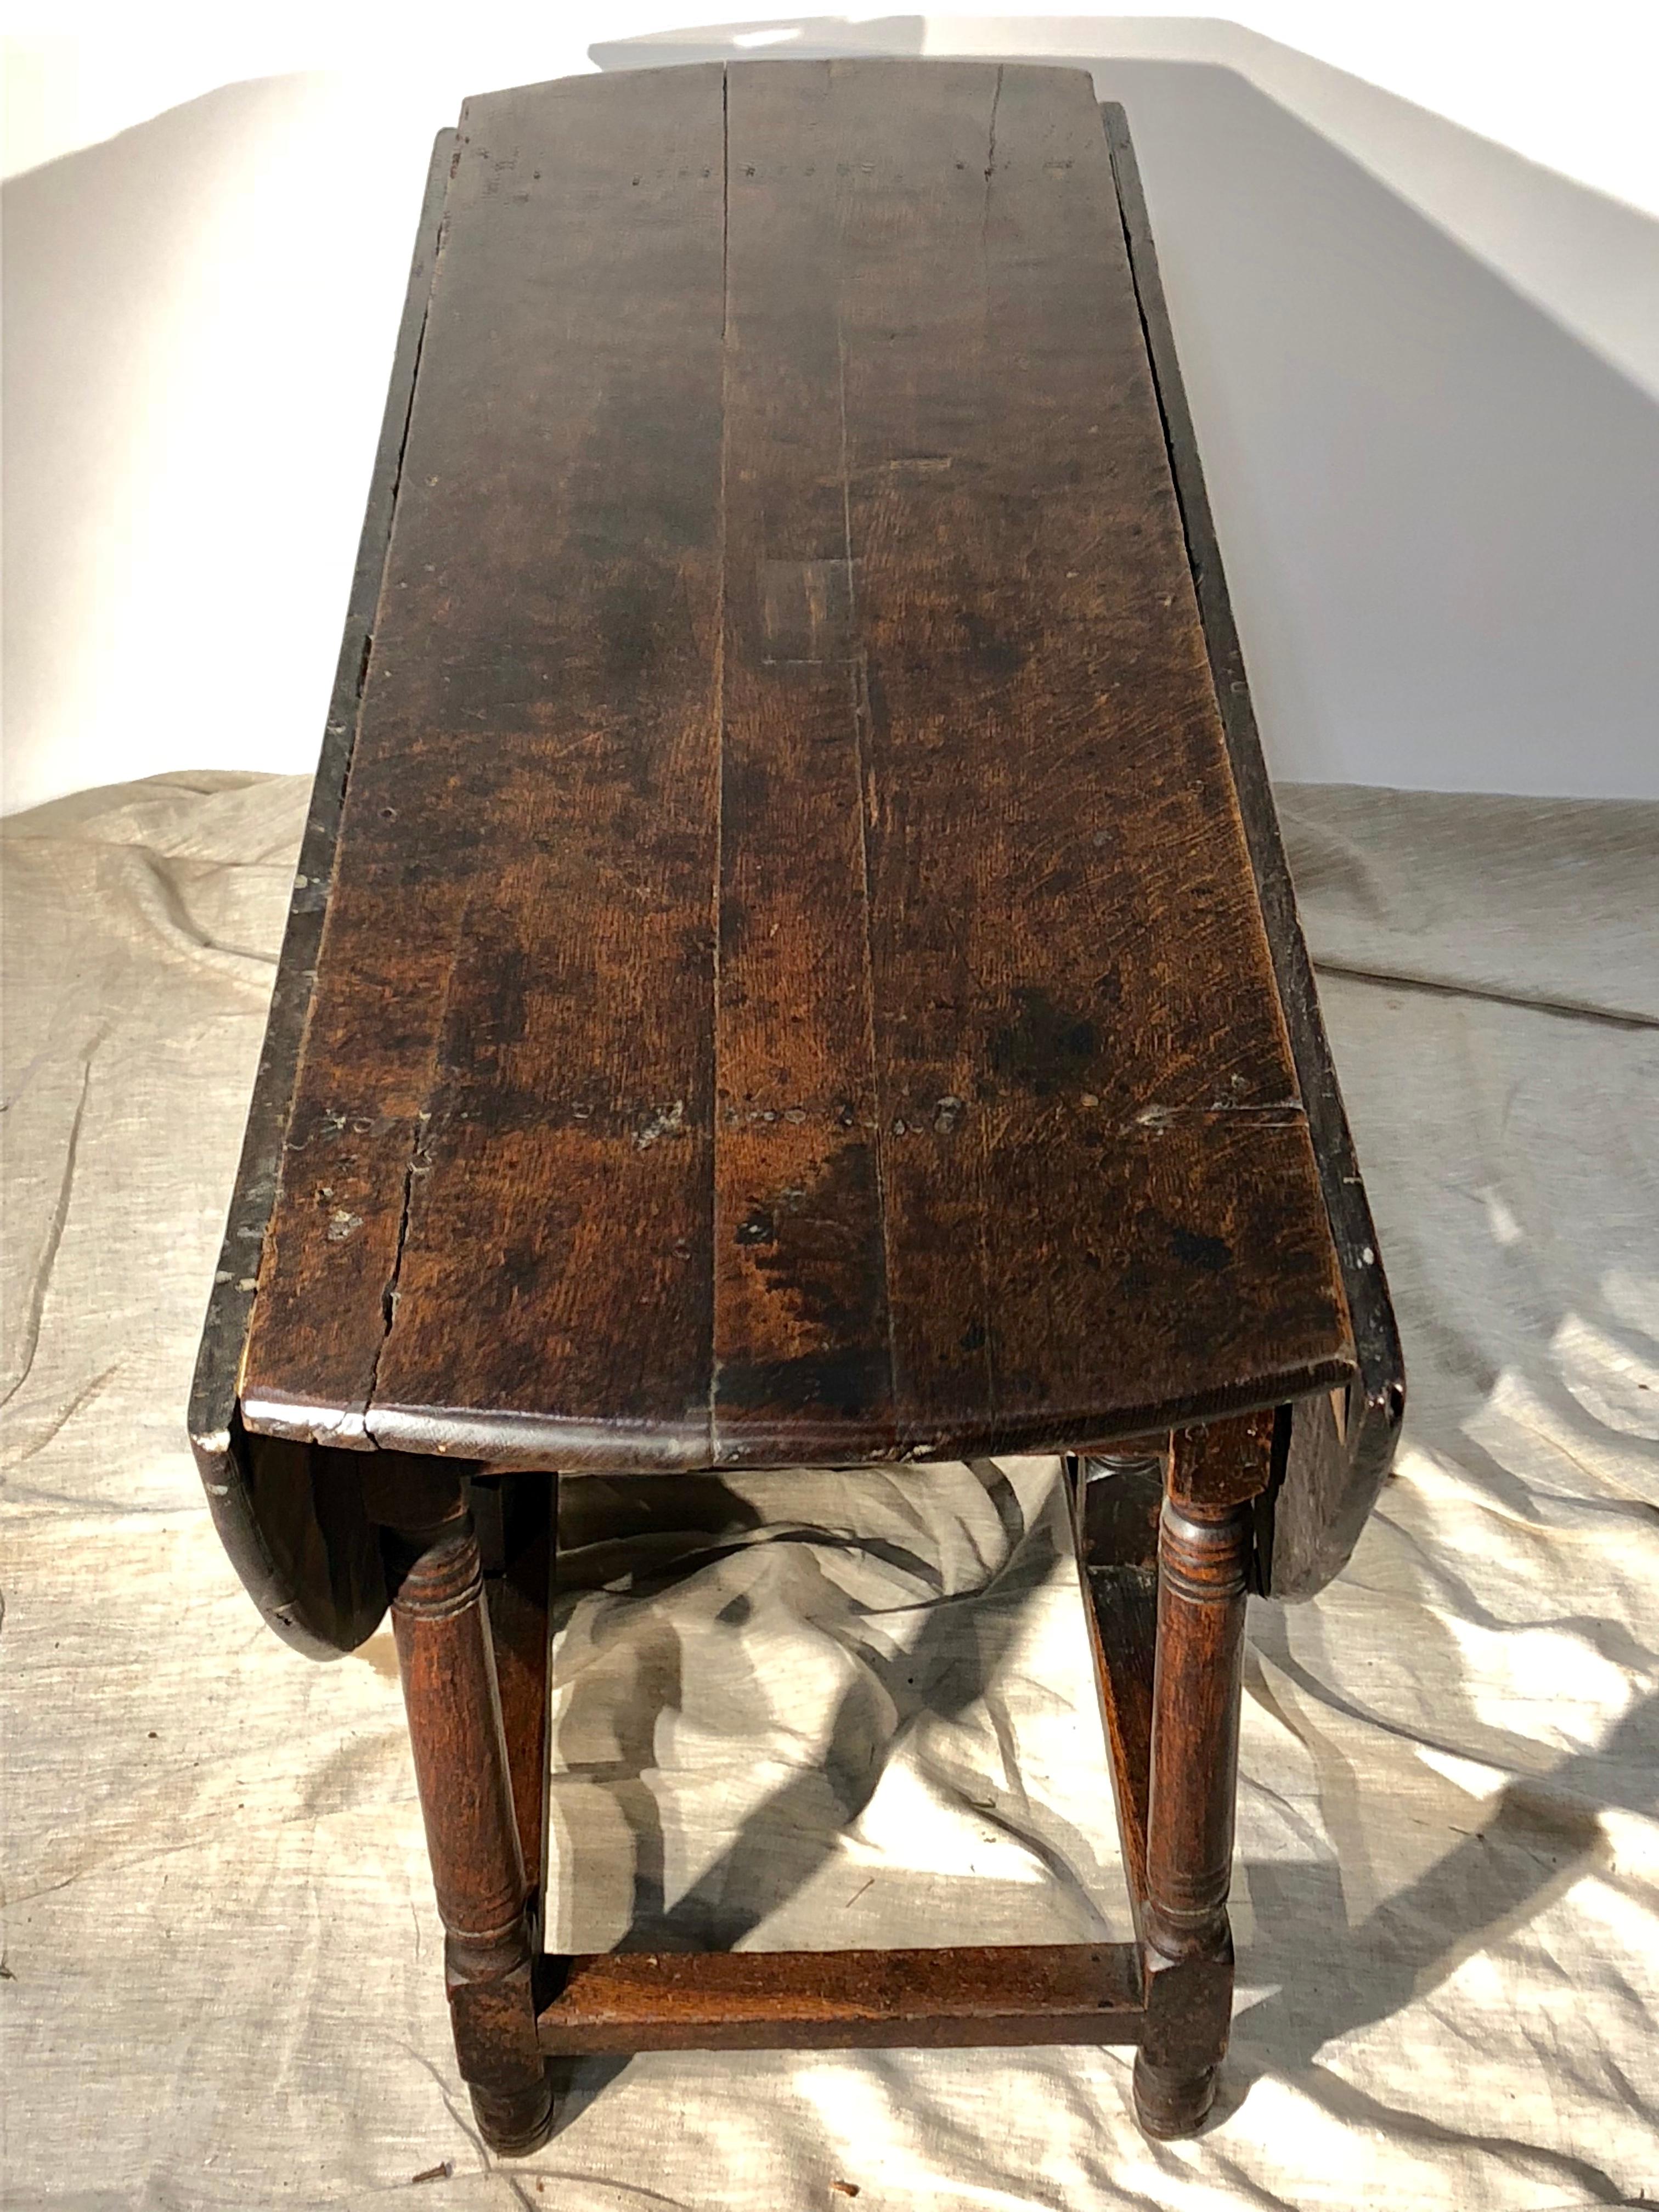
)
(1338, 1460)
(286, 1513)
(1067, 945)
(971, 1995)
(794, 985)
(801, 1320)
(499, 1165)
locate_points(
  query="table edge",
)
(1307, 1540)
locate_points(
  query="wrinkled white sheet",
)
(812, 1710)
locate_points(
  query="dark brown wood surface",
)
(287, 1513)
(971, 1995)
(793, 984)
(1340, 1447)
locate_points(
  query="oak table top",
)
(793, 985)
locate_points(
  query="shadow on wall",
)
(1435, 503)
(1590, 260)
(199, 315)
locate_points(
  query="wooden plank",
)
(1004, 1994)
(308, 1561)
(499, 1175)
(1100, 1192)
(1337, 1464)
(801, 1333)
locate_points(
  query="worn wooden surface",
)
(1340, 1448)
(971, 1995)
(287, 1514)
(793, 983)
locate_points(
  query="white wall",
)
(1425, 368)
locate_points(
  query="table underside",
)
(793, 986)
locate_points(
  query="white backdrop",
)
(1425, 365)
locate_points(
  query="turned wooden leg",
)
(447, 1663)
(1203, 1554)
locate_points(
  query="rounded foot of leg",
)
(517, 2121)
(1169, 2102)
